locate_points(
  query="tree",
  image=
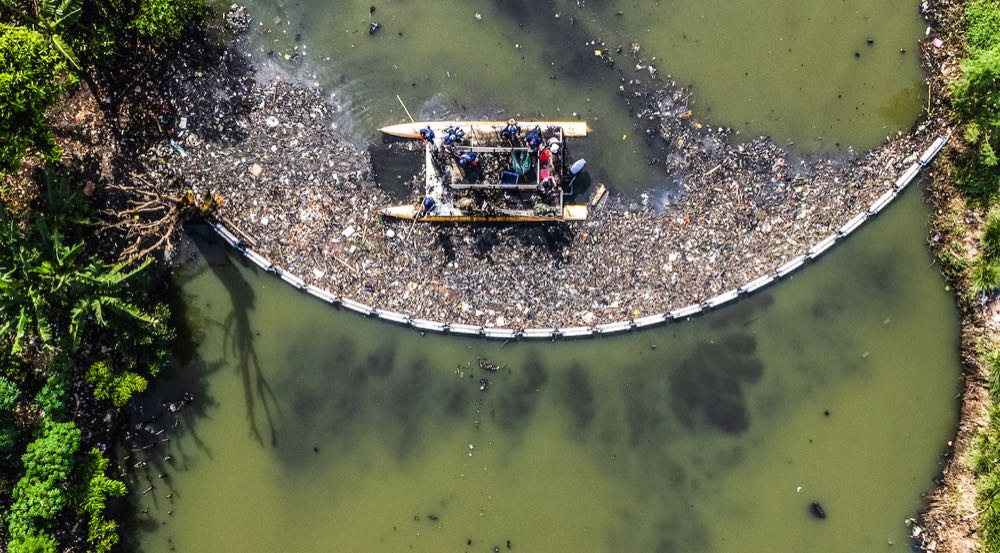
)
(32, 78)
(116, 387)
(40, 494)
(163, 21)
(983, 17)
(90, 496)
(52, 20)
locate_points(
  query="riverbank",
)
(297, 192)
(951, 521)
(954, 520)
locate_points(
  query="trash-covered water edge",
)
(296, 189)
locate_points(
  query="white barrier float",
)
(356, 306)
(499, 333)
(424, 324)
(823, 245)
(611, 328)
(651, 320)
(722, 299)
(853, 224)
(293, 280)
(468, 330)
(880, 203)
(576, 332)
(392, 316)
(757, 284)
(322, 294)
(933, 150)
(685, 312)
(792, 265)
(907, 177)
(258, 259)
(229, 237)
(538, 333)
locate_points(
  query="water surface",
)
(802, 72)
(319, 430)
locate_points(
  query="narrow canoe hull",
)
(571, 129)
(409, 212)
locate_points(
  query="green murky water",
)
(765, 67)
(802, 72)
(319, 430)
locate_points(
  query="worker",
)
(554, 144)
(453, 135)
(534, 138)
(427, 134)
(512, 131)
(426, 206)
(544, 156)
(469, 160)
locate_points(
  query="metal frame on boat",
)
(512, 185)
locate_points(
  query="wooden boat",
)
(570, 129)
(410, 212)
(509, 182)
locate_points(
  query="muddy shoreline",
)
(303, 196)
(951, 520)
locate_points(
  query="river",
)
(315, 429)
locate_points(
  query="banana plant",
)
(51, 290)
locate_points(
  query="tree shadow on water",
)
(239, 339)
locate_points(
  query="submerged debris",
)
(238, 18)
(486, 365)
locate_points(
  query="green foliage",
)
(977, 101)
(952, 259)
(91, 496)
(9, 396)
(33, 543)
(985, 276)
(51, 290)
(40, 494)
(59, 305)
(164, 20)
(991, 236)
(116, 387)
(146, 348)
(985, 459)
(32, 78)
(52, 18)
(979, 182)
(51, 397)
(983, 18)
(55, 478)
